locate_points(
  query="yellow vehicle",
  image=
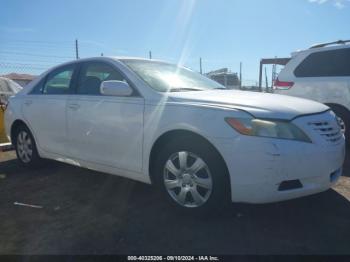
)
(7, 88)
(3, 138)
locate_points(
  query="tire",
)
(26, 150)
(344, 117)
(191, 175)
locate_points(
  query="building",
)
(225, 77)
(21, 79)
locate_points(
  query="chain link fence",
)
(24, 57)
(28, 59)
(20, 68)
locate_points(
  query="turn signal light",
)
(239, 126)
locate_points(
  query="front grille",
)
(329, 131)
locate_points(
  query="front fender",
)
(206, 122)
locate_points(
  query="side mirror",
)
(115, 88)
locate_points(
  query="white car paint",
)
(38, 112)
(264, 106)
(327, 90)
(116, 134)
(91, 119)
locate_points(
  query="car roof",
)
(115, 58)
(319, 48)
(104, 58)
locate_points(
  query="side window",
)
(325, 64)
(93, 74)
(58, 82)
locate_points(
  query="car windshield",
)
(164, 77)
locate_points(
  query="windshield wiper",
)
(180, 89)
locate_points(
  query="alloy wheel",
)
(341, 124)
(24, 146)
(187, 179)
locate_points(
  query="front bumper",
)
(258, 166)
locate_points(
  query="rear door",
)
(44, 109)
(107, 130)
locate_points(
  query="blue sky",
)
(222, 32)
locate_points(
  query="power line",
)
(21, 64)
(38, 41)
(7, 59)
(30, 48)
(36, 55)
(49, 47)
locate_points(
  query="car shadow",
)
(86, 212)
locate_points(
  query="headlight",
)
(267, 128)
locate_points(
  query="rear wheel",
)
(26, 150)
(192, 176)
(344, 121)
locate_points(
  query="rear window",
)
(325, 63)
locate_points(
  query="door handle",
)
(74, 106)
(28, 102)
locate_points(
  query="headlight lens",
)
(267, 128)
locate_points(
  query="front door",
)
(106, 130)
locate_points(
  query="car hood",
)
(260, 105)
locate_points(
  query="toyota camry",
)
(163, 124)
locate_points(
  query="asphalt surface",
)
(86, 212)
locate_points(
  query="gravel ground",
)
(86, 212)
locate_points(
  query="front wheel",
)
(192, 175)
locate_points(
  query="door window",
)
(59, 81)
(93, 74)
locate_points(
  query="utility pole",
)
(266, 81)
(260, 75)
(274, 75)
(240, 75)
(200, 65)
(76, 49)
(150, 54)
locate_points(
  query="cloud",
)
(340, 4)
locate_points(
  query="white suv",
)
(321, 73)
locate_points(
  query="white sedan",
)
(159, 123)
